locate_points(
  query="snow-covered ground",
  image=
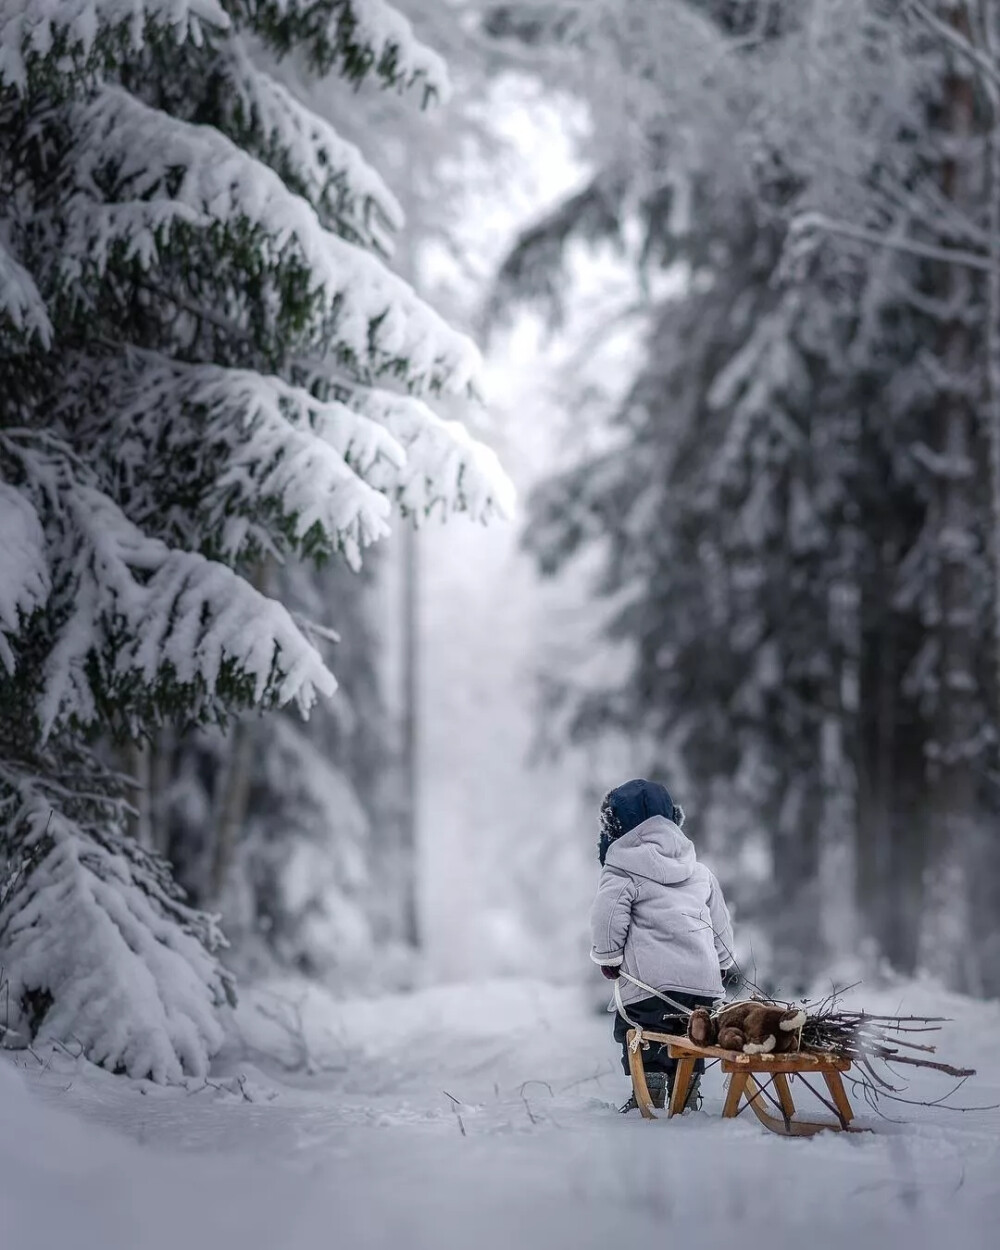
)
(472, 1117)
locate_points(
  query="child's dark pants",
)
(654, 1014)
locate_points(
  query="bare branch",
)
(986, 66)
(806, 222)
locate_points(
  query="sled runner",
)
(763, 1081)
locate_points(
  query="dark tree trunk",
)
(409, 822)
(945, 945)
(235, 783)
(877, 774)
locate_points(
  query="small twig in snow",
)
(527, 1106)
(66, 1049)
(455, 1106)
(599, 1075)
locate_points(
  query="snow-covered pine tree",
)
(719, 511)
(802, 570)
(945, 579)
(225, 822)
(205, 361)
(715, 502)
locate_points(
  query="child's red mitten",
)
(610, 972)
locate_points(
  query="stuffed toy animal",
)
(751, 1027)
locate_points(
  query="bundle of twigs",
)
(867, 1040)
(861, 1037)
(874, 1042)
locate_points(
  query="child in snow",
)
(659, 918)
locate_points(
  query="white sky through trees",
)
(488, 804)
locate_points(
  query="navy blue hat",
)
(627, 806)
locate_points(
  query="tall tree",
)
(794, 509)
(205, 362)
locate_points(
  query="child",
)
(659, 917)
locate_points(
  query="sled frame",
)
(744, 1089)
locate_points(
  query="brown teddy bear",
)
(751, 1027)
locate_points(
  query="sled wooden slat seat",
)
(743, 1070)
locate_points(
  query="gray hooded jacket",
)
(660, 914)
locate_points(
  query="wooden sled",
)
(743, 1071)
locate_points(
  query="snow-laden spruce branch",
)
(445, 466)
(280, 468)
(136, 616)
(129, 970)
(355, 37)
(25, 579)
(169, 174)
(20, 300)
(329, 171)
(34, 32)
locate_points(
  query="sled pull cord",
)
(671, 1002)
(637, 1041)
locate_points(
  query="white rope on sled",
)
(637, 1041)
(685, 1011)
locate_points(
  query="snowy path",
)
(369, 1151)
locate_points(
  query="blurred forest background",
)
(747, 378)
(735, 265)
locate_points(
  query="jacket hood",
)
(657, 849)
(628, 805)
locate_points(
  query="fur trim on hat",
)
(628, 805)
(610, 827)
